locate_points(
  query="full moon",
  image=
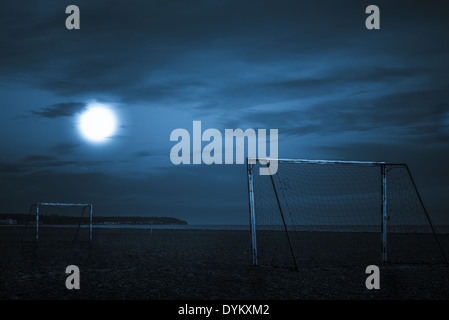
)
(97, 122)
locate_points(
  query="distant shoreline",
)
(140, 226)
(441, 229)
(79, 216)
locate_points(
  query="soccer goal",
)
(58, 221)
(325, 213)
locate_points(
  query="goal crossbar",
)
(265, 160)
(63, 204)
(37, 205)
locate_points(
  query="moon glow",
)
(97, 123)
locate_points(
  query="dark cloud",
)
(414, 114)
(32, 164)
(335, 79)
(38, 158)
(64, 148)
(35, 164)
(147, 51)
(143, 154)
(65, 109)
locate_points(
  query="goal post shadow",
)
(35, 208)
(254, 163)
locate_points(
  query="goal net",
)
(324, 213)
(47, 221)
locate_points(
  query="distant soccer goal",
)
(324, 213)
(59, 221)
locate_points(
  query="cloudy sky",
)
(308, 68)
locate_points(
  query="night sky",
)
(311, 69)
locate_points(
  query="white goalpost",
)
(311, 209)
(38, 207)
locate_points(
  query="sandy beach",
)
(195, 264)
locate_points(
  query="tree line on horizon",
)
(20, 218)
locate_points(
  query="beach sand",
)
(199, 264)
